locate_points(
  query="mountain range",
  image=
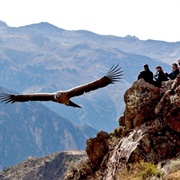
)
(44, 58)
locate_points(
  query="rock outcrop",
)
(149, 130)
(53, 166)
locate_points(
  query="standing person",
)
(159, 76)
(175, 71)
(146, 74)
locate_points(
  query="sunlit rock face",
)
(141, 99)
(169, 106)
(99, 147)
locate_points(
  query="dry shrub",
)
(140, 171)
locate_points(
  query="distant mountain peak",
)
(3, 24)
(131, 37)
(44, 25)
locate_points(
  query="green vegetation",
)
(140, 171)
(150, 170)
(137, 171)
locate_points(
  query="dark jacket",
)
(159, 77)
(147, 75)
(173, 74)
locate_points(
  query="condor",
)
(63, 97)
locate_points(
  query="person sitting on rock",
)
(146, 74)
(175, 71)
(159, 76)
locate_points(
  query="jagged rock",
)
(141, 99)
(97, 148)
(121, 154)
(169, 106)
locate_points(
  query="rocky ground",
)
(51, 167)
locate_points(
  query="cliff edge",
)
(148, 131)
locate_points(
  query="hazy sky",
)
(146, 19)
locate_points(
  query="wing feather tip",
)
(114, 74)
(6, 98)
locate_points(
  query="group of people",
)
(160, 75)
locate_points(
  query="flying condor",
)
(63, 97)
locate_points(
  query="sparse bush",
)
(150, 170)
(140, 171)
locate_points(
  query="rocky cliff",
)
(148, 131)
(50, 167)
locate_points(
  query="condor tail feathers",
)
(73, 104)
